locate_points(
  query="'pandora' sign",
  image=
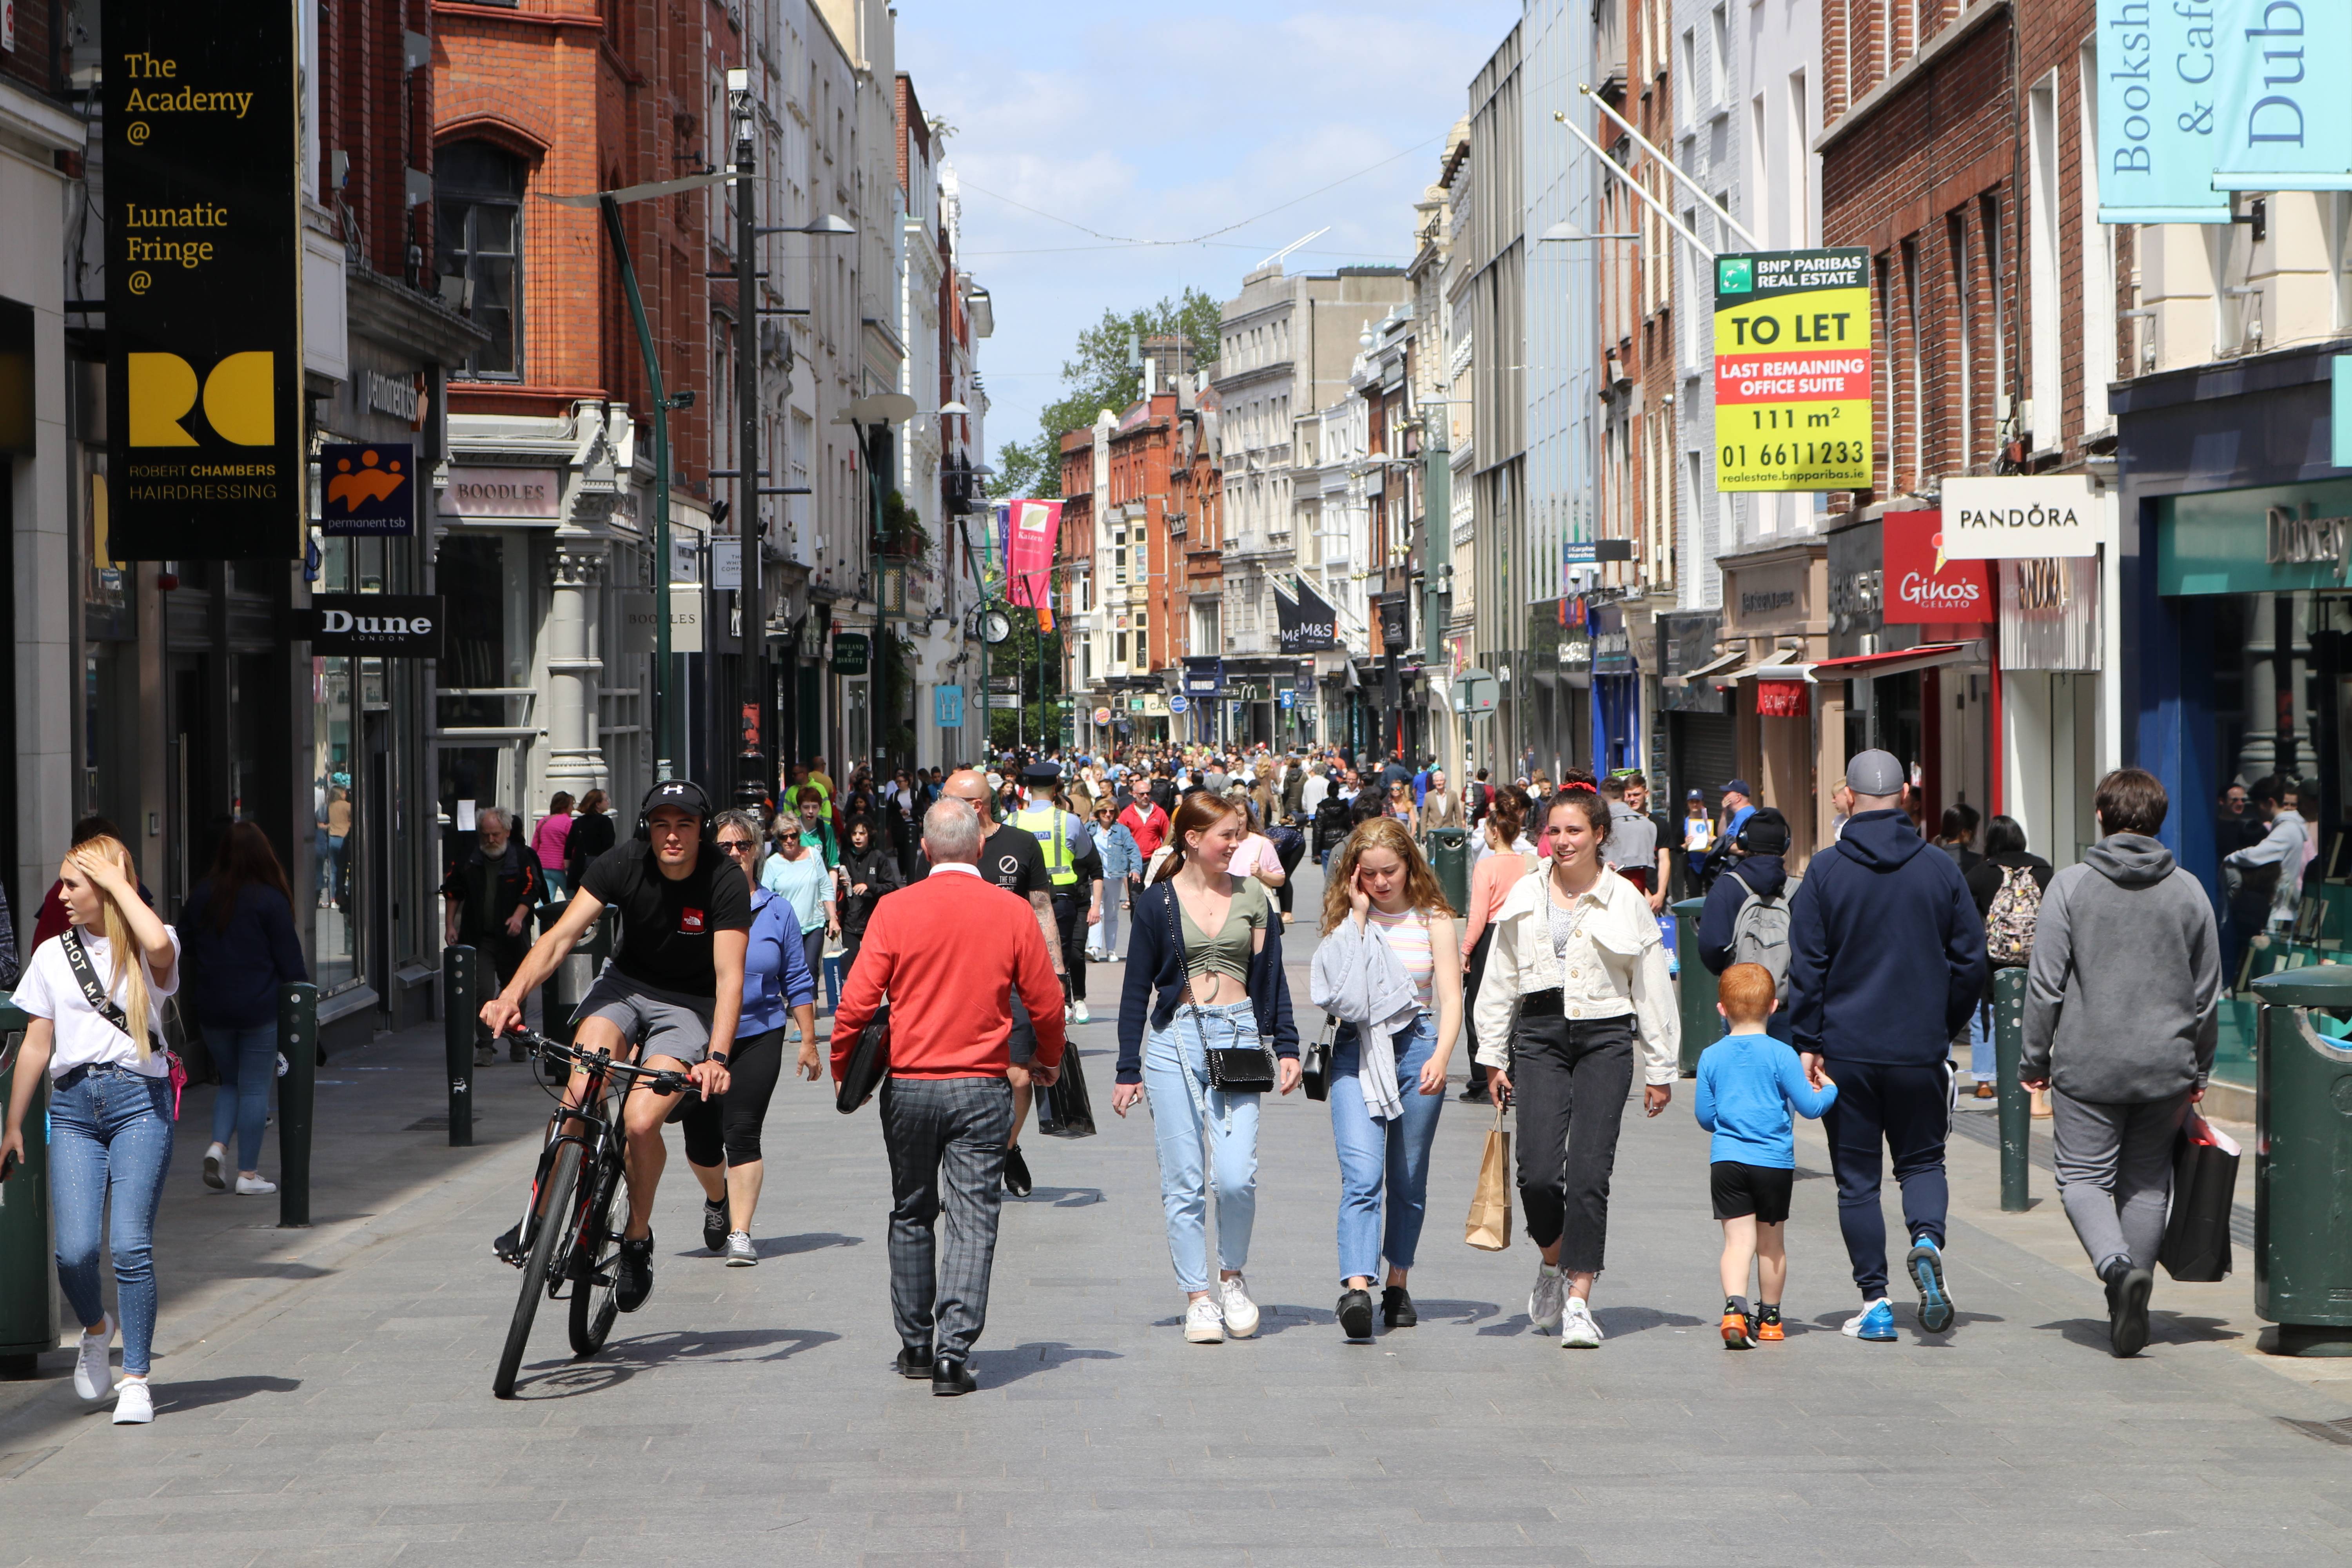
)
(2022, 518)
(383, 624)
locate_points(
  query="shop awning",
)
(1901, 661)
(1707, 672)
(1800, 673)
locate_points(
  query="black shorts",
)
(1743, 1190)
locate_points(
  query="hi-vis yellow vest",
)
(1044, 822)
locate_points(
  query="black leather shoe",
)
(914, 1360)
(1475, 1095)
(2128, 1321)
(1016, 1172)
(1356, 1313)
(950, 1378)
(1396, 1309)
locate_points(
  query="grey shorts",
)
(659, 1023)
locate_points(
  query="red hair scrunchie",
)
(1571, 789)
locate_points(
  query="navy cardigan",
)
(1155, 980)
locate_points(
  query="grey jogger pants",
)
(2114, 1173)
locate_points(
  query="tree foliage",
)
(1097, 377)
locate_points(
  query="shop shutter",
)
(1705, 750)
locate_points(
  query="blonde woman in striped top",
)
(1380, 881)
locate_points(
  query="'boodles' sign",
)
(204, 282)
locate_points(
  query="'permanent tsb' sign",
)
(203, 283)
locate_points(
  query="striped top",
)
(1408, 937)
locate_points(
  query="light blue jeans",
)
(110, 1140)
(248, 1060)
(1184, 1107)
(1393, 1154)
(1980, 1054)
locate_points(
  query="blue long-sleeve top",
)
(230, 977)
(776, 966)
(1155, 980)
(1748, 1084)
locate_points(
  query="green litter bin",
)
(1701, 1026)
(2302, 1164)
(1449, 857)
(29, 1294)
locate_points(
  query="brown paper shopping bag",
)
(1489, 1227)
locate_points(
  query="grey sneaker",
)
(740, 1254)
(1546, 1301)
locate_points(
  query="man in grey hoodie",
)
(2120, 1013)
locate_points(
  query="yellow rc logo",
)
(239, 402)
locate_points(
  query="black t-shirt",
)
(1010, 857)
(666, 924)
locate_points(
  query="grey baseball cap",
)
(1875, 773)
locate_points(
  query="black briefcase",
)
(1066, 1110)
(869, 1063)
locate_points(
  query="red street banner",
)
(1923, 587)
(1783, 700)
(1034, 530)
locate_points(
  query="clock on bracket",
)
(995, 626)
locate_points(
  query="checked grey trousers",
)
(946, 1138)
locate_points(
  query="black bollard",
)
(457, 1004)
(298, 1092)
(2016, 1111)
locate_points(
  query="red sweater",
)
(948, 952)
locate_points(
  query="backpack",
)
(2009, 923)
(1760, 934)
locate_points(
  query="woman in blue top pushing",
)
(1747, 1083)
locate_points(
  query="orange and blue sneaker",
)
(1768, 1324)
(1739, 1331)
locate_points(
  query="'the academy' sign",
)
(203, 281)
(1793, 371)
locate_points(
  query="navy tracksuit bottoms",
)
(1909, 1109)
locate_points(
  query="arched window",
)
(477, 228)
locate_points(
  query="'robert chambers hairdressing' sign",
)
(203, 281)
(397, 625)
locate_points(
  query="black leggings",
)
(1070, 925)
(726, 1129)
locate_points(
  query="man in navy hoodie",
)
(1887, 960)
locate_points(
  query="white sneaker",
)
(1240, 1312)
(1078, 1014)
(134, 1402)
(1578, 1331)
(254, 1186)
(92, 1374)
(1203, 1324)
(1544, 1302)
(214, 1157)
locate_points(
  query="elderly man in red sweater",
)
(947, 952)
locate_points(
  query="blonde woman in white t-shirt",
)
(111, 1105)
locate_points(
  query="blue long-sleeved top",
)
(1155, 979)
(776, 966)
(229, 979)
(1747, 1085)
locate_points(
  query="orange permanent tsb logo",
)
(367, 490)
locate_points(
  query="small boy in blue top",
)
(1748, 1081)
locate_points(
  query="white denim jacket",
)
(1629, 975)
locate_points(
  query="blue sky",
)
(1148, 124)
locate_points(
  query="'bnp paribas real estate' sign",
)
(2201, 97)
(204, 282)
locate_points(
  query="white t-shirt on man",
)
(84, 1038)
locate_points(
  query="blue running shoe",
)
(1926, 1266)
(1876, 1322)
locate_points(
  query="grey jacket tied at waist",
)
(2123, 992)
(1359, 981)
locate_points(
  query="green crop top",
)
(1228, 952)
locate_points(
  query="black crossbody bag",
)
(1235, 1069)
(78, 961)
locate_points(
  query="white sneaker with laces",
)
(93, 1375)
(1203, 1324)
(1578, 1331)
(214, 1157)
(254, 1186)
(134, 1402)
(1240, 1312)
(1544, 1302)
(1078, 1014)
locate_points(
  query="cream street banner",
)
(2022, 518)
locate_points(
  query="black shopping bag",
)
(1066, 1110)
(869, 1063)
(2204, 1187)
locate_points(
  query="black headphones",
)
(683, 793)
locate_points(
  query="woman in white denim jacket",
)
(1577, 969)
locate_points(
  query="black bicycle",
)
(568, 1245)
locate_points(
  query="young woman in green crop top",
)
(1222, 920)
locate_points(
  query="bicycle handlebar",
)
(665, 1080)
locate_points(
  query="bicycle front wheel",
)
(597, 1279)
(556, 1223)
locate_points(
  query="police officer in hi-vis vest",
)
(1067, 845)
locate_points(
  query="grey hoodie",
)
(2121, 996)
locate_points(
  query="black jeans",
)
(1070, 924)
(1477, 973)
(728, 1129)
(1570, 1078)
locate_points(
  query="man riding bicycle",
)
(673, 987)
